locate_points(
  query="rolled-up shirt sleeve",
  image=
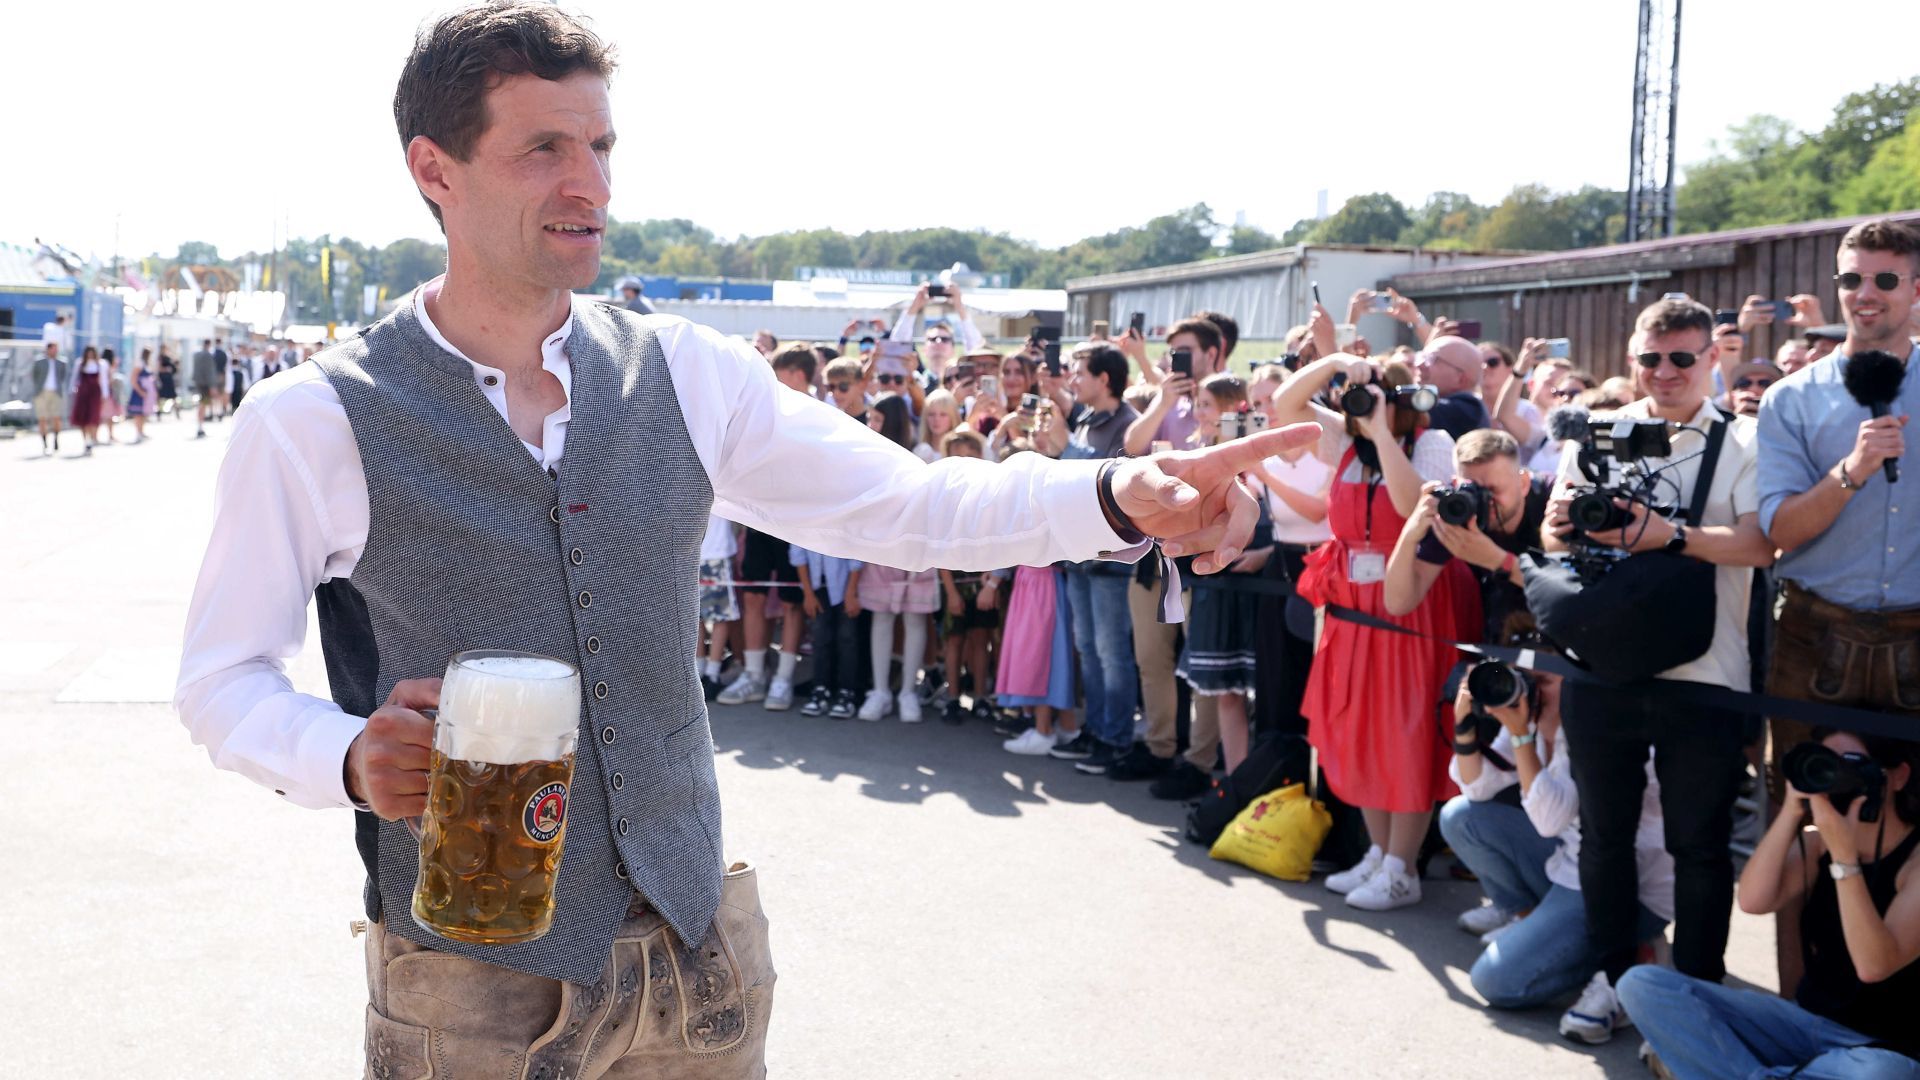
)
(1785, 467)
(272, 542)
(794, 467)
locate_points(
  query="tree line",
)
(1764, 171)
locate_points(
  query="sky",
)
(233, 122)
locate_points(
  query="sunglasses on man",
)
(939, 339)
(1885, 280)
(1752, 384)
(1568, 393)
(842, 387)
(889, 379)
(1681, 360)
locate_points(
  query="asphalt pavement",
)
(939, 908)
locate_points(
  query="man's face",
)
(1747, 390)
(1671, 386)
(52, 349)
(1260, 394)
(630, 293)
(1876, 318)
(939, 347)
(850, 395)
(1791, 356)
(1503, 476)
(1205, 361)
(531, 204)
(1088, 388)
(792, 378)
(1451, 364)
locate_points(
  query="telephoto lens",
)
(1459, 505)
(1357, 401)
(1594, 511)
(1496, 684)
(1815, 770)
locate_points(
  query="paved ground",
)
(940, 908)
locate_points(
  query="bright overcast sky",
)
(212, 120)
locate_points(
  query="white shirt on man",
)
(292, 484)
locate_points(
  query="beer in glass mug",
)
(496, 820)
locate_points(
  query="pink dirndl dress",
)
(882, 588)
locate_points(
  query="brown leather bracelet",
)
(1117, 519)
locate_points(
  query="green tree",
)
(1364, 219)
(1861, 122)
(1891, 178)
(1447, 216)
(1528, 219)
(1246, 239)
(198, 253)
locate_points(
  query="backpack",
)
(1275, 762)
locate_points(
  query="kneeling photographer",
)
(1859, 931)
(1654, 517)
(1516, 825)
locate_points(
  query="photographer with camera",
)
(1487, 518)
(937, 348)
(1373, 696)
(1516, 825)
(1853, 1012)
(1704, 462)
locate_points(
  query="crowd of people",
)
(95, 390)
(1449, 480)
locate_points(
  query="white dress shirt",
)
(969, 334)
(291, 512)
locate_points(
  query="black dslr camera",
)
(1465, 502)
(1842, 778)
(1493, 684)
(1356, 402)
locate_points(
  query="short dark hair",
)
(1673, 316)
(1106, 362)
(798, 356)
(770, 337)
(443, 87)
(1229, 330)
(1204, 330)
(1884, 234)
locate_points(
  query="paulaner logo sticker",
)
(546, 812)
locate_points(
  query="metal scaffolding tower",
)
(1656, 96)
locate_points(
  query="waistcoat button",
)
(578, 556)
(622, 827)
(586, 599)
(593, 644)
(606, 734)
(553, 515)
(600, 691)
(619, 781)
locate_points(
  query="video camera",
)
(1602, 444)
(1842, 778)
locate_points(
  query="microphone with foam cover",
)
(1567, 422)
(1873, 378)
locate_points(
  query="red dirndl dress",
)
(1373, 703)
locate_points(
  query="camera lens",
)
(1811, 768)
(1497, 685)
(1458, 506)
(1356, 401)
(1593, 511)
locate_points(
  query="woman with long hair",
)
(1373, 700)
(940, 415)
(89, 396)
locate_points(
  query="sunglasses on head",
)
(1885, 280)
(1752, 384)
(890, 379)
(939, 339)
(1681, 360)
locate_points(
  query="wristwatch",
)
(1676, 543)
(1842, 871)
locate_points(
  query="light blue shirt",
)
(1869, 558)
(825, 571)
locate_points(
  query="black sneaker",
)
(953, 714)
(844, 706)
(710, 687)
(1139, 763)
(982, 711)
(1011, 725)
(1102, 759)
(818, 702)
(1078, 748)
(1182, 783)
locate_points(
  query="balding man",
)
(1452, 365)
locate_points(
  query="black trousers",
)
(839, 653)
(1282, 661)
(1697, 754)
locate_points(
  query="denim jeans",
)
(1699, 756)
(1701, 1029)
(1103, 637)
(1500, 845)
(1547, 955)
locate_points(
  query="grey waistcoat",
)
(472, 545)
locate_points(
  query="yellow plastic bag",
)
(1277, 834)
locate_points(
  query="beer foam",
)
(508, 709)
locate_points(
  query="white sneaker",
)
(1597, 1015)
(1385, 891)
(744, 689)
(1359, 874)
(780, 695)
(1030, 742)
(878, 706)
(910, 707)
(1482, 921)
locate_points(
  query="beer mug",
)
(496, 820)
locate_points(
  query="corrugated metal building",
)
(1592, 295)
(1267, 292)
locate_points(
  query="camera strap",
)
(1703, 482)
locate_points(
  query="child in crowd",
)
(847, 387)
(940, 416)
(972, 611)
(1218, 661)
(837, 627)
(896, 596)
(794, 364)
(717, 606)
(1036, 663)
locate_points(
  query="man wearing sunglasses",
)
(1699, 752)
(1850, 562)
(957, 329)
(1750, 382)
(1453, 366)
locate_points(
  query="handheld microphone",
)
(1873, 378)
